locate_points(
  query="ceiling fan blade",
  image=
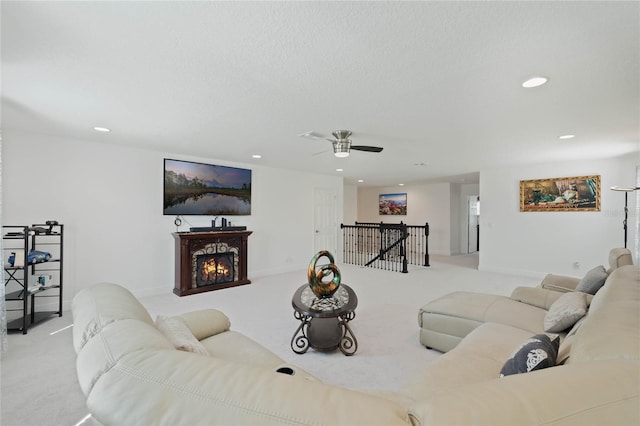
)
(313, 135)
(367, 148)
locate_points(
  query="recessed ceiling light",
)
(339, 170)
(102, 129)
(535, 82)
(360, 180)
(401, 184)
(567, 137)
(256, 156)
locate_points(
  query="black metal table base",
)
(324, 334)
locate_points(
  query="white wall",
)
(110, 200)
(350, 204)
(425, 203)
(527, 243)
(550, 242)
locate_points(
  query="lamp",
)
(626, 209)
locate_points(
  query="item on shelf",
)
(51, 224)
(38, 230)
(38, 256)
(16, 259)
(319, 287)
(35, 288)
(45, 280)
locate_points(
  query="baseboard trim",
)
(510, 271)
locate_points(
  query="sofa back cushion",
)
(610, 330)
(116, 340)
(99, 305)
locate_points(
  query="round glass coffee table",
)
(324, 322)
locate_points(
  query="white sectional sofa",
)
(598, 383)
(446, 321)
(132, 373)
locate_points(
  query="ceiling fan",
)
(341, 142)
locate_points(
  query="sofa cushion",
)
(593, 280)
(598, 393)
(180, 336)
(559, 283)
(116, 340)
(565, 312)
(206, 322)
(610, 331)
(535, 354)
(99, 305)
(179, 388)
(477, 358)
(564, 351)
(237, 347)
(447, 320)
(536, 296)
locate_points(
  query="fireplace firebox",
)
(208, 261)
(214, 269)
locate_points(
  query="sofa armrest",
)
(576, 394)
(619, 257)
(206, 322)
(536, 296)
(560, 283)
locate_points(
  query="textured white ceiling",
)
(432, 82)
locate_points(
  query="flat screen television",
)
(205, 189)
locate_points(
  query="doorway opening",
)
(473, 226)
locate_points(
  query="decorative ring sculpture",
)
(319, 287)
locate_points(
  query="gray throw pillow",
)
(593, 280)
(565, 311)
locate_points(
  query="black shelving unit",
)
(29, 285)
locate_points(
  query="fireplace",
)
(212, 269)
(210, 261)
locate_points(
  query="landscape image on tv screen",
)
(205, 189)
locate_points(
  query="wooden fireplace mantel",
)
(188, 243)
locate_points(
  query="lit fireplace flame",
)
(214, 271)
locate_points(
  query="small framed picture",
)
(392, 204)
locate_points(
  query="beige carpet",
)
(39, 385)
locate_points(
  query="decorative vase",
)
(315, 275)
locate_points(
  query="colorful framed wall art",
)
(392, 204)
(566, 194)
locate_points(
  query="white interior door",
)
(474, 216)
(325, 220)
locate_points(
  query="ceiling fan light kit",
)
(340, 151)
